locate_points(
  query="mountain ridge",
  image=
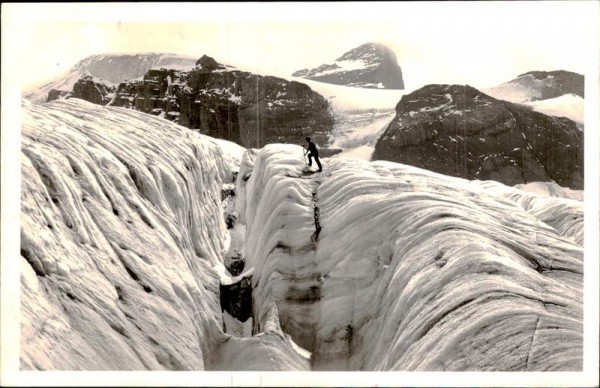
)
(370, 65)
(113, 68)
(539, 85)
(221, 101)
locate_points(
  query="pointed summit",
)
(207, 63)
(371, 65)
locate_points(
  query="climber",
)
(313, 152)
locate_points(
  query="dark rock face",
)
(459, 131)
(370, 65)
(245, 108)
(248, 109)
(154, 94)
(236, 298)
(86, 88)
(58, 94)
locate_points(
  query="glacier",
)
(121, 228)
(361, 116)
(130, 223)
(411, 270)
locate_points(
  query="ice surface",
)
(551, 189)
(361, 115)
(361, 152)
(122, 234)
(361, 129)
(413, 270)
(366, 266)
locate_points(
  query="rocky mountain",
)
(371, 65)
(112, 69)
(92, 89)
(88, 88)
(222, 102)
(539, 85)
(459, 131)
(131, 225)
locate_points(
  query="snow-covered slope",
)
(347, 99)
(122, 233)
(567, 105)
(556, 93)
(539, 85)
(112, 69)
(381, 266)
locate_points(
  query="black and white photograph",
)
(244, 194)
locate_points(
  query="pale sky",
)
(477, 43)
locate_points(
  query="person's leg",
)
(310, 160)
(318, 163)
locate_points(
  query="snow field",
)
(568, 105)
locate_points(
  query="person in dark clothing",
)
(313, 152)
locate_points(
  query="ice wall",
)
(121, 229)
(380, 266)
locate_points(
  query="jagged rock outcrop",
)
(412, 270)
(58, 94)
(539, 85)
(248, 109)
(87, 88)
(371, 65)
(459, 131)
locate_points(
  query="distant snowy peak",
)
(539, 85)
(115, 68)
(112, 69)
(371, 65)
